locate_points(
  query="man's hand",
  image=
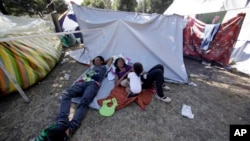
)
(98, 84)
(109, 61)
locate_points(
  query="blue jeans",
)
(87, 91)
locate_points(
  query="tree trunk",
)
(2, 8)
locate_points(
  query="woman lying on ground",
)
(121, 70)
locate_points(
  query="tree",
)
(153, 6)
(33, 7)
(127, 5)
(2, 8)
(107, 4)
(148, 6)
(60, 6)
(159, 6)
(94, 3)
(116, 4)
(140, 7)
(86, 3)
(144, 6)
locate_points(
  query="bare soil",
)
(221, 98)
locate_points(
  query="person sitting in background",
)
(156, 76)
(86, 89)
(153, 76)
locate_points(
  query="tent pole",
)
(26, 99)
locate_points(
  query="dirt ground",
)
(220, 99)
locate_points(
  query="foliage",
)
(159, 6)
(103, 4)
(107, 4)
(125, 5)
(33, 7)
(153, 6)
(116, 4)
(60, 6)
(140, 7)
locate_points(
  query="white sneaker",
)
(166, 88)
(166, 99)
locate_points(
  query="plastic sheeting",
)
(241, 50)
(192, 7)
(147, 38)
(30, 59)
(220, 47)
(240, 54)
(69, 23)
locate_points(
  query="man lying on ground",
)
(87, 89)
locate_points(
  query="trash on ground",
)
(187, 112)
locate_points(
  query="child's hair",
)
(138, 68)
(100, 57)
(116, 62)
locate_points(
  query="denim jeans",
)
(87, 91)
(155, 74)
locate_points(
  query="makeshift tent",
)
(194, 8)
(217, 48)
(27, 57)
(146, 38)
(69, 23)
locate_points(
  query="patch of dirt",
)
(220, 99)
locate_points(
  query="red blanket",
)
(220, 48)
(143, 99)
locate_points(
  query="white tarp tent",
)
(241, 50)
(191, 7)
(147, 38)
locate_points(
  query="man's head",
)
(98, 61)
(138, 68)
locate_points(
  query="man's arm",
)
(109, 61)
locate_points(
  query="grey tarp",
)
(146, 38)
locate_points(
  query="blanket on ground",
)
(143, 99)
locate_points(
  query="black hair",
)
(116, 62)
(100, 57)
(138, 68)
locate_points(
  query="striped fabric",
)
(27, 60)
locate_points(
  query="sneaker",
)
(164, 99)
(165, 87)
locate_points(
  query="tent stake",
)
(26, 99)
